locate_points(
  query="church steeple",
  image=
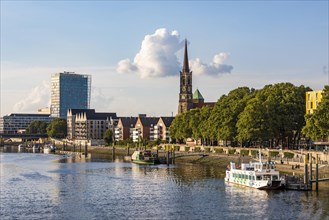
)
(185, 66)
(185, 93)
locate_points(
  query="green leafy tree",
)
(179, 128)
(57, 128)
(224, 116)
(108, 137)
(275, 114)
(37, 127)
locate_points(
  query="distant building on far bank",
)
(18, 122)
(124, 128)
(69, 90)
(313, 98)
(45, 110)
(88, 126)
(143, 128)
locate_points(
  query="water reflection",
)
(55, 187)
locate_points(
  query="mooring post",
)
(128, 154)
(113, 153)
(311, 171)
(80, 147)
(316, 172)
(73, 147)
(86, 149)
(167, 149)
(173, 154)
(306, 169)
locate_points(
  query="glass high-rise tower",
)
(69, 90)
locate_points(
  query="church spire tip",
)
(186, 66)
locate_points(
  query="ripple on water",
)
(36, 187)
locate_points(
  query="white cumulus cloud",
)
(216, 67)
(38, 97)
(158, 58)
(100, 101)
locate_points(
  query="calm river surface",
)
(46, 186)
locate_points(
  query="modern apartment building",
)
(69, 91)
(124, 128)
(161, 130)
(313, 98)
(14, 123)
(144, 128)
(86, 125)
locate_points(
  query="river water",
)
(46, 186)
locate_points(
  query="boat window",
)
(253, 177)
(275, 177)
(258, 177)
(266, 177)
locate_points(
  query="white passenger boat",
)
(260, 175)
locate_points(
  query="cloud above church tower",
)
(158, 58)
(216, 67)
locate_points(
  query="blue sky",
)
(231, 44)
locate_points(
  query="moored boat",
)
(259, 175)
(144, 157)
(21, 148)
(49, 149)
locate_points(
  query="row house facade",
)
(124, 128)
(87, 126)
(142, 127)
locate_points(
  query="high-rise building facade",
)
(185, 92)
(69, 91)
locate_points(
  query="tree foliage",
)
(276, 113)
(37, 127)
(189, 124)
(108, 137)
(272, 115)
(224, 116)
(57, 128)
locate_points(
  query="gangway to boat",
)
(190, 154)
(320, 180)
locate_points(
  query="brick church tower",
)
(185, 93)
